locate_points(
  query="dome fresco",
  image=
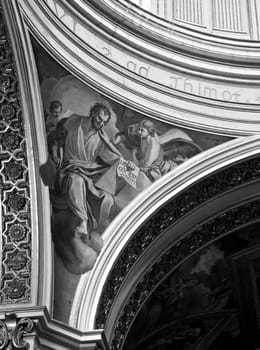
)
(136, 151)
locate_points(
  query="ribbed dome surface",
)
(231, 18)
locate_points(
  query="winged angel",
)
(154, 154)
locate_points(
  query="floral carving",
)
(2, 52)
(4, 82)
(15, 289)
(16, 222)
(17, 232)
(16, 201)
(4, 338)
(17, 260)
(7, 111)
(14, 170)
(24, 326)
(10, 141)
(12, 332)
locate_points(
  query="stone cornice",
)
(176, 50)
(45, 333)
(55, 335)
(141, 24)
(174, 88)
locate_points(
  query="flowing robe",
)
(152, 162)
(88, 154)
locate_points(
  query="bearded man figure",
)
(88, 154)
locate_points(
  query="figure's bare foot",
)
(82, 227)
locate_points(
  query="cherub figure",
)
(56, 141)
(53, 117)
(156, 154)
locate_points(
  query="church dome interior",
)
(130, 174)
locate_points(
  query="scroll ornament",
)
(12, 331)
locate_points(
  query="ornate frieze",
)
(14, 183)
(201, 192)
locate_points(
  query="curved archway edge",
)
(218, 170)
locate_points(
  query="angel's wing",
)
(176, 142)
(173, 134)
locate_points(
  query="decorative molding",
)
(164, 83)
(33, 328)
(145, 24)
(12, 332)
(166, 216)
(198, 238)
(181, 54)
(55, 335)
(171, 197)
(26, 199)
(16, 247)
